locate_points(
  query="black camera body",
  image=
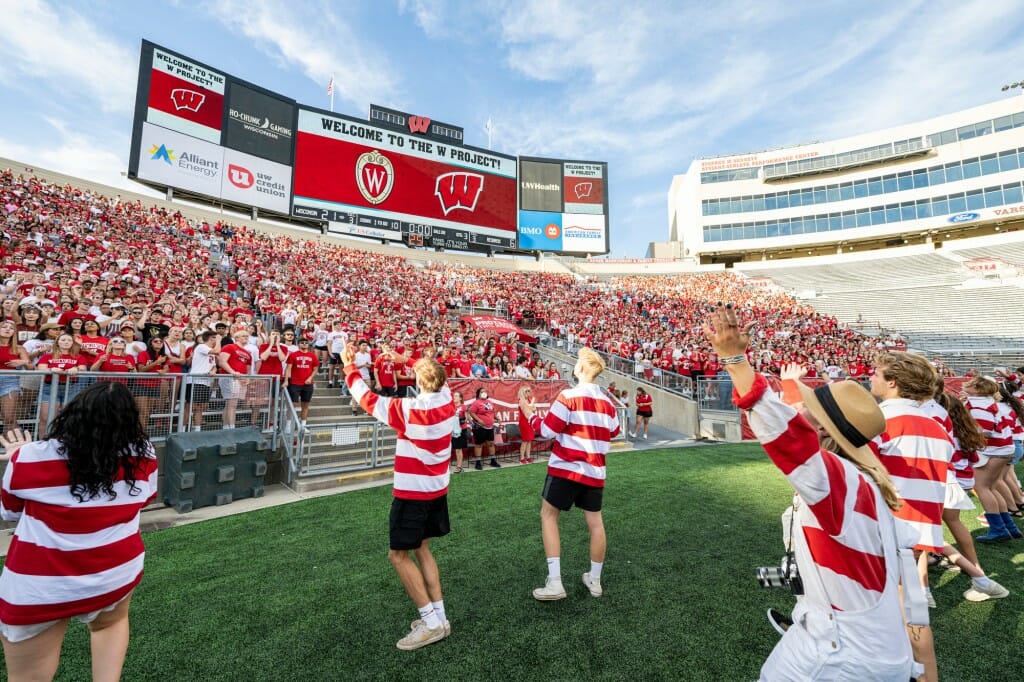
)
(785, 575)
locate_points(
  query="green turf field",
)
(304, 591)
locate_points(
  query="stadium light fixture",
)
(1012, 86)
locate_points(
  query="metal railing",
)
(168, 403)
(654, 376)
(715, 394)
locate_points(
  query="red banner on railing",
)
(505, 395)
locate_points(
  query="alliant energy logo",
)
(458, 190)
(419, 124)
(190, 100)
(583, 189)
(260, 125)
(240, 177)
(162, 153)
(375, 176)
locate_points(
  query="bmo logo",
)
(552, 231)
(240, 177)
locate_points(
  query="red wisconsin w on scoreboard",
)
(178, 101)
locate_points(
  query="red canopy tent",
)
(496, 325)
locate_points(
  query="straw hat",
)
(850, 415)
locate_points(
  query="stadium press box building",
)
(950, 177)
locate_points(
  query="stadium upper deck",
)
(953, 176)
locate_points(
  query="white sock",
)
(196, 428)
(429, 616)
(982, 583)
(595, 569)
(555, 567)
(439, 610)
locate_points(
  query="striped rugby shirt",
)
(424, 424)
(917, 452)
(67, 557)
(839, 519)
(995, 424)
(582, 421)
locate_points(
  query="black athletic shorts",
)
(459, 441)
(335, 359)
(563, 494)
(199, 393)
(412, 521)
(300, 392)
(482, 435)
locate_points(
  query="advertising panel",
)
(347, 171)
(185, 96)
(583, 233)
(540, 231)
(181, 161)
(259, 124)
(256, 182)
(584, 187)
(540, 186)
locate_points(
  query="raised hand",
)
(722, 329)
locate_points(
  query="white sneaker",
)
(993, 591)
(632, 435)
(419, 622)
(420, 637)
(552, 590)
(593, 584)
(645, 436)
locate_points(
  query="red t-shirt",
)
(239, 359)
(7, 357)
(303, 364)
(385, 369)
(93, 346)
(64, 362)
(272, 365)
(118, 363)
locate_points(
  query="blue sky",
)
(646, 86)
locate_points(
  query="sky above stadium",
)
(646, 86)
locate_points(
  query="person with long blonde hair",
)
(527, 408)
(993, 459)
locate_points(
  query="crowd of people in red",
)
(90, 269)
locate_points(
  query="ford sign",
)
(964, 217)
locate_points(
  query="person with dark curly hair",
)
(77, 551)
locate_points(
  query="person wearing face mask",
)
(481, 416)
(419, 512)
(581, 423)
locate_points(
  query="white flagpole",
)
(490, 128)
(332, 93)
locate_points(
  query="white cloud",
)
(429, 14)
(59, 47)
(75, 154)
(317, 41)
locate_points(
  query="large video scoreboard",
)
(394, 176)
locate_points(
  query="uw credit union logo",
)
(552, 231)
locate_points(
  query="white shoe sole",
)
(594, 593)
(540, 595)
(422, 643)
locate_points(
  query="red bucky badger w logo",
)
(183, 98)
(418, 124)
(458, 190)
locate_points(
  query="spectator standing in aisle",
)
(644, 411)
(582, 421)
(300, 372)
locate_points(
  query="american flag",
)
(330, 86)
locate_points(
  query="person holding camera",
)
(848, 549)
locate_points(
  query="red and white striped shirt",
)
(424, 425)
(917, 452)
(994, 424)
(582, 421)
(68, 557)
(839, 520)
